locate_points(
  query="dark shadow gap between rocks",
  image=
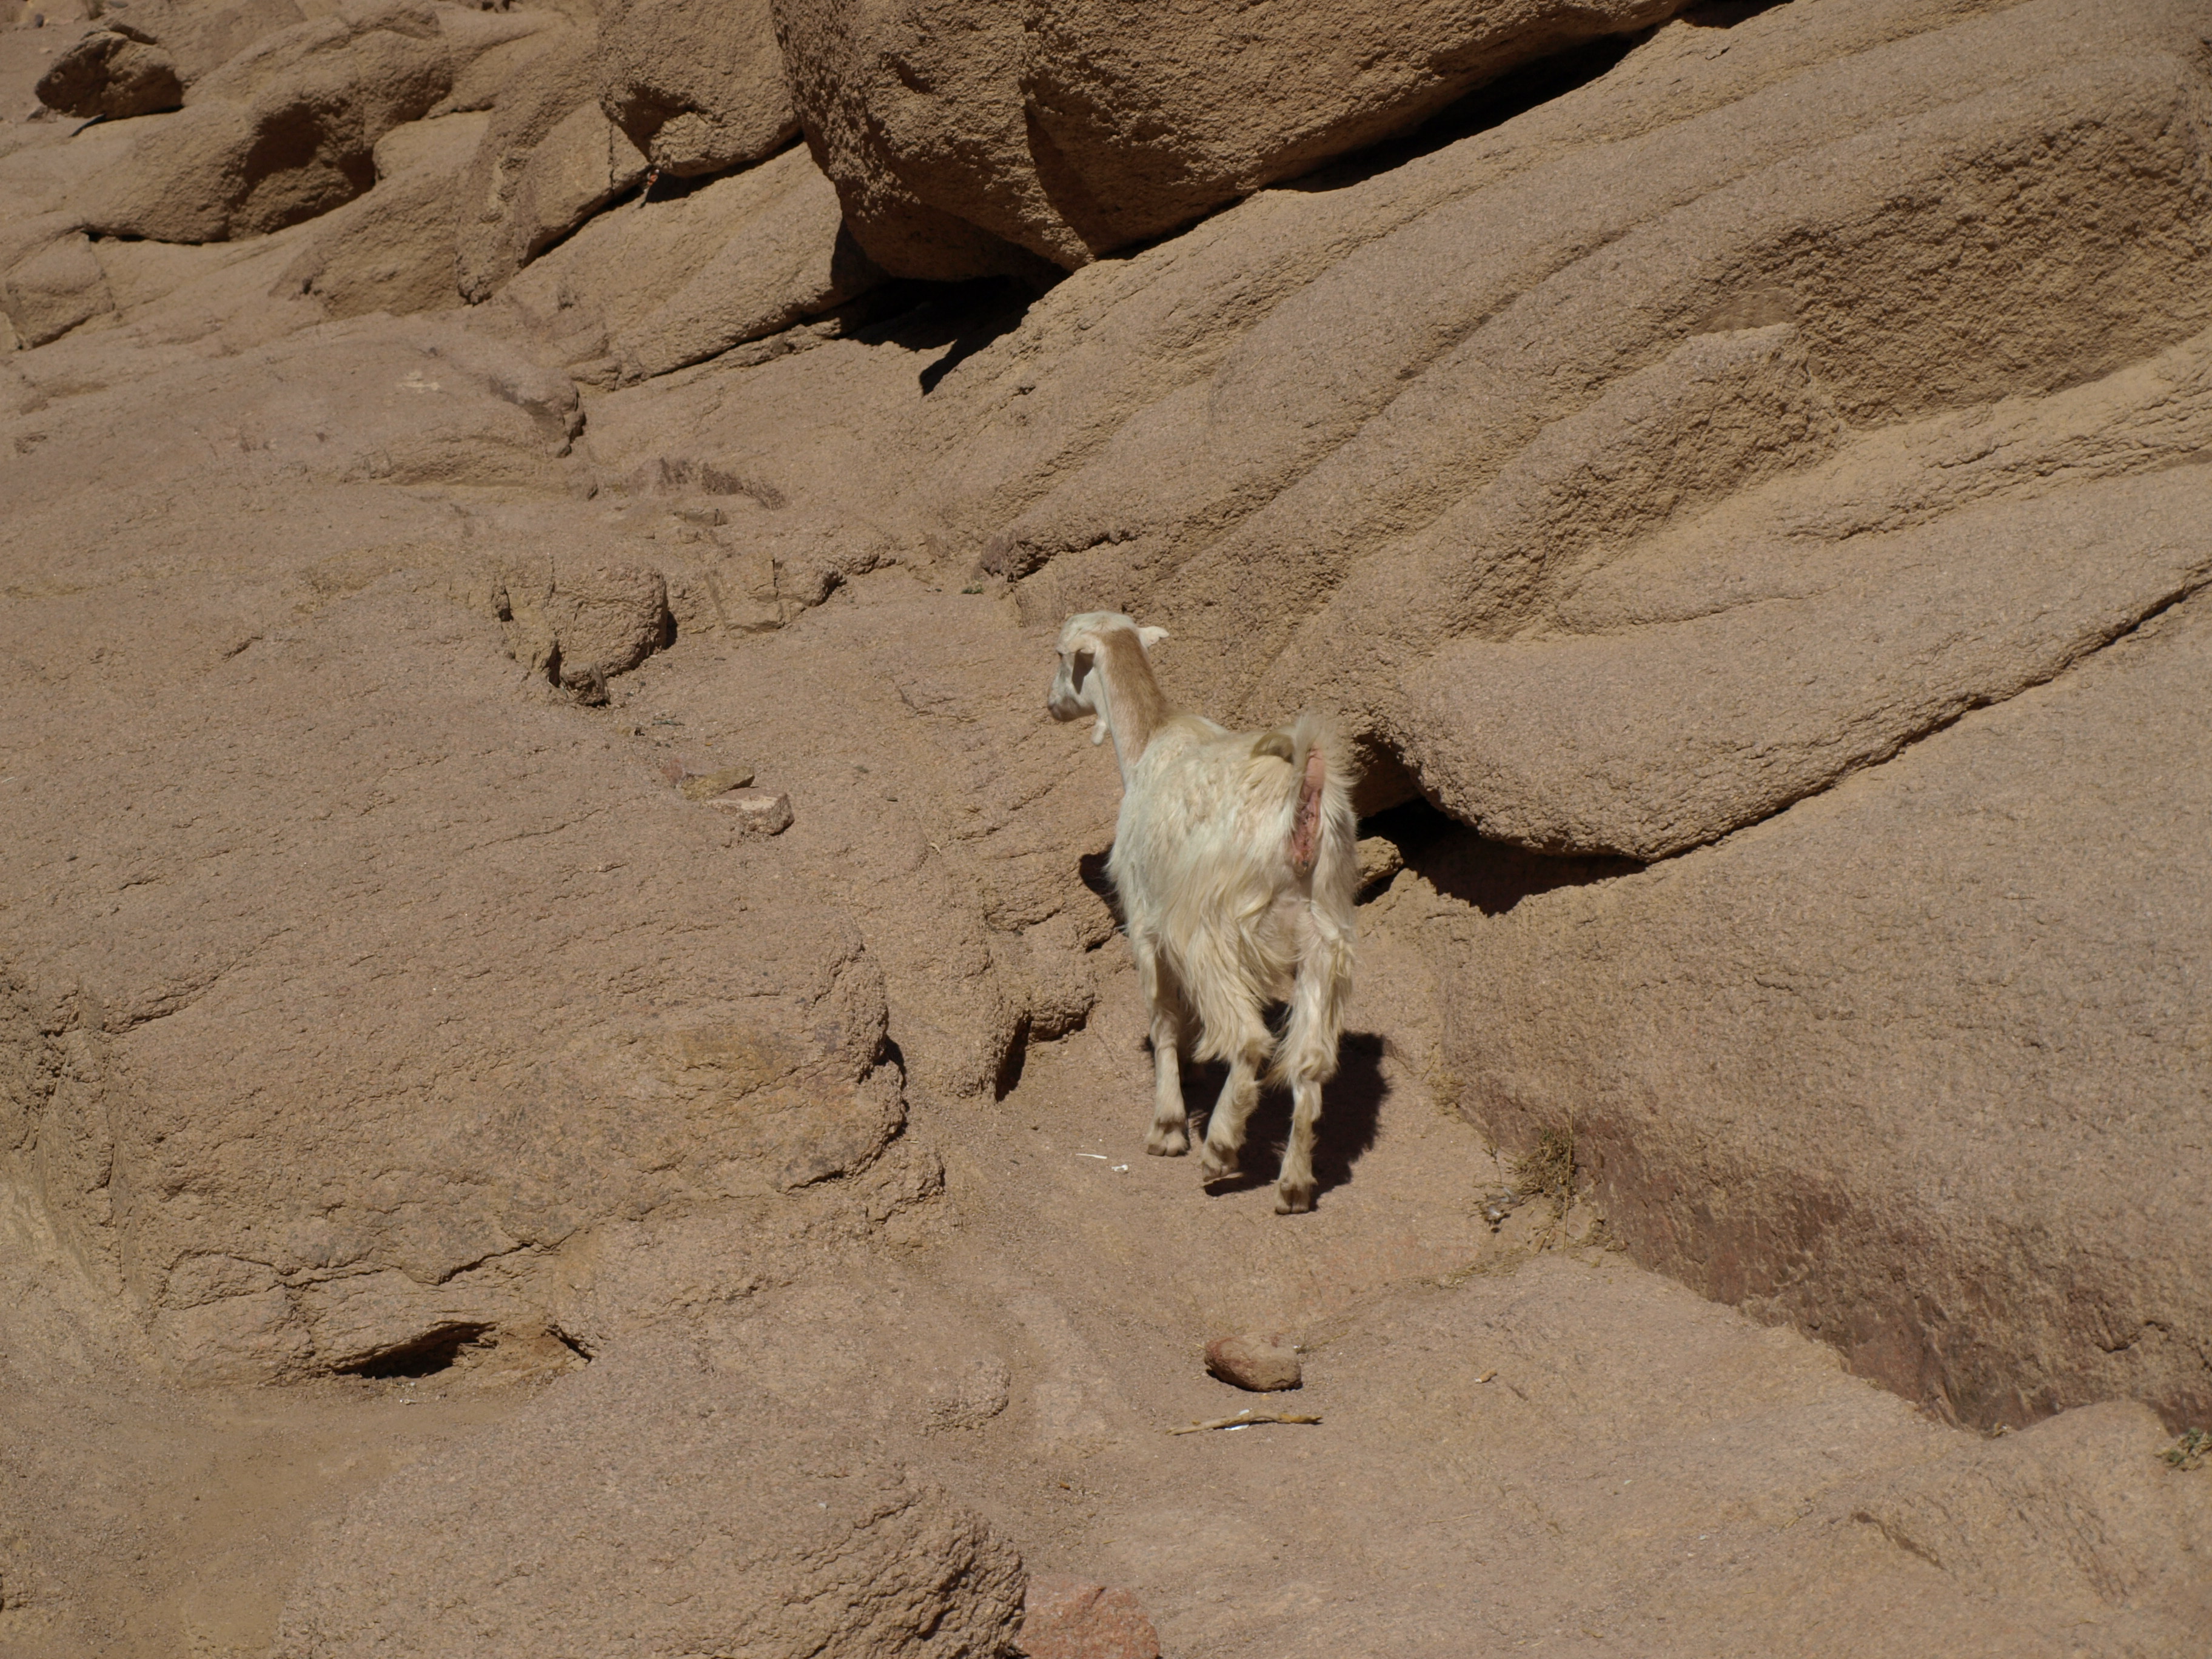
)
(1490, 876)
(1012, 1062)
(1726, 13)
(1515, 93)
(957, 318)
(426, 1355)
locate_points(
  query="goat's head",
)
(1077, 687)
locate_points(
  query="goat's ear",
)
(1149, 637)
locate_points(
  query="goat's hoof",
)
(1168, 1140)
(1294, 1200)
(1214, 1165)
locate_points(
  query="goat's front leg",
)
(1171, 1131)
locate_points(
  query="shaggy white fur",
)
(1233, 861)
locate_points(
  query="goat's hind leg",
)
(1309, 1059)
(1170, 1131)
(1294, 1189)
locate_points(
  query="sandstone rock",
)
(1248, 462)
(393, 249)
(2081, 1499)
(1862, 1065)
(652, 1504)
(958, 134)
(54, 290)
(373, 399)
(1261, 1364)
(1065, 1617)
(199, 36)
(575, 622)
(512, 1114)
(287, 130)
(1379, 861)
(376, 1008)
(788, 256)
(1624, 473)
(698, 87)
(670, 283)
(1060, 982)
(575, 170)
(758, 812)
(1785, 703)
(114, 72)
(547, 162)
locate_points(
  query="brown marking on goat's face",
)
(1305, 828)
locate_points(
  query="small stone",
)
(1264, 1364)
(758, 811)
(1379, 861)
(706, 785)
(1067, 1618)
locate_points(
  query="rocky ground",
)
(571, 1084)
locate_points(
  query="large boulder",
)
(969, 139)
(1462, 469)
(198, 36)
(55, 289)
(697, 85)
(112, 72)
(1916, 1065)
(137, 65)
(393, 249)
(548, 160)
(672, 282)
(287, 130)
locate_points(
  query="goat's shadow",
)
(1351, 1110)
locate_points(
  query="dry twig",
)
(1248, 1415)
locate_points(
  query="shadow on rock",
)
(1352, 1105)
(1492, 876)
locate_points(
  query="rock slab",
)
(973, 138)
(654, 1505)
(697, 85)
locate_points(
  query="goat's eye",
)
(1082, 669)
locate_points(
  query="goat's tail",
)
(1324, 832)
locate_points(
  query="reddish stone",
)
(1261, 1364)
(1069, 1618)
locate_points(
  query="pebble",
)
(758, 811)
(1263, 1364)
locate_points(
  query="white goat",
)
(1234, 861)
